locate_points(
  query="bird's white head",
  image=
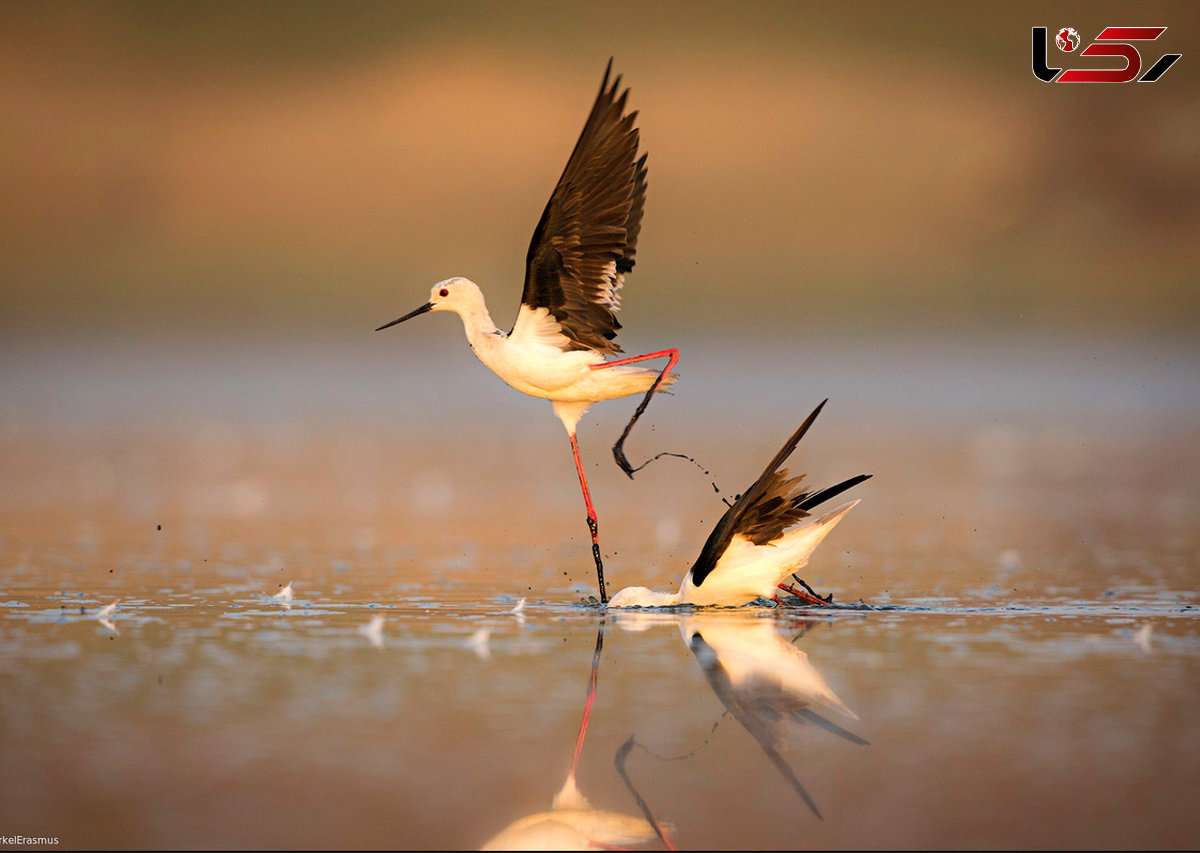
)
(458, 294)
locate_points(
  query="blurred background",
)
(208, 207)
(262, 169)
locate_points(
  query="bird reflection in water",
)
(105, 616)
(765, 682)
(572, 822)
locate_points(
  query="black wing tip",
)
(609, 90)
(812, 717)
(605, 86)
(818, 498)
(790, 444)
(808, 422)
(607, 74)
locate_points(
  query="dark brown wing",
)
(776, 509)
(584, 244)
(731, 521)
(782, 504)
(769, 507)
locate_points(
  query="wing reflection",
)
(572, 822)
(765, 682)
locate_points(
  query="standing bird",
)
(581, 250)
(752, 549)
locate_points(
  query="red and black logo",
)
(1112, 41)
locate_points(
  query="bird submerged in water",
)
(756, 544)
(581, 251)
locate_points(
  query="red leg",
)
(587, 713)
(803, 595)
(591, 697)
(591, 518)
(672, 356)
(587, 496)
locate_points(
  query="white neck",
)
(477, 323)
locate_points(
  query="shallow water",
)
(1017, 639)
(208, 715)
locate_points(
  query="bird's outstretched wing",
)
(584, 243)
(769, 507)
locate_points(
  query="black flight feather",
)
(585, 241)
(769, 507)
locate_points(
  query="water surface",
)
(1014, 659)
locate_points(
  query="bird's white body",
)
(745, 571)
(535, 357)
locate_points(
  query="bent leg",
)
(672, 356)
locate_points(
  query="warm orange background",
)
(297, 168)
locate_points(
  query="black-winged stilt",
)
(756, 544)
(581, 250)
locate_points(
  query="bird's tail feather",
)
(815, 531)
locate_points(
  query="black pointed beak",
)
(427, 306)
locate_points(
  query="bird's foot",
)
(622, 459)
(808, 595)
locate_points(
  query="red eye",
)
(443, 292)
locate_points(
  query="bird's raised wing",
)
(584, 243)
(769, 507)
